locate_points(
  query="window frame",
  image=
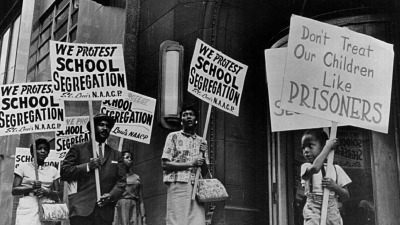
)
(54, 13)
(10, 29)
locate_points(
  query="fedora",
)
(101, 117)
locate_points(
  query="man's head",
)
(102, 126)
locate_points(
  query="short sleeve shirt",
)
(181, 147)
(47, 174)
(342, 179)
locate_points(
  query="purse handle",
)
(209, 172)
(58, 196)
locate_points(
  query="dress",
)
(127, 210)
(28, 209)
(181, 210)
(312, 208)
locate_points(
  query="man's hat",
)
(100, 117)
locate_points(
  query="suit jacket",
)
(112, 179)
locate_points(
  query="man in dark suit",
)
(79, 166)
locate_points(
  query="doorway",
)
(353, 155)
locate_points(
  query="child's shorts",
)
(312, 211)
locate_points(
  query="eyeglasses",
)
(127, 157)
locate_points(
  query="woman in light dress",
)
(25, 183)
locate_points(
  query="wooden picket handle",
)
(325, 199)
(93, 137)
(35, 157)
(120, 144)
(36, 171)
(196, 181)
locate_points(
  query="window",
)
(8, 52)
(59, 24)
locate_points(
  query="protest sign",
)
(216, 78)
(30, 108)
(87, 71)
(283, 120)
(74, 133)
(337, 74)
(350, 151)
(134, 116)
(23, 155)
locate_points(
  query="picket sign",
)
(325, 198)
(329, 168)
(233, 81)
(93, 137)
(196, 181)
(319, 74)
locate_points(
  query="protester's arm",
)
(71, 170)
(320, 159)
(179, 166)
(50, 192)
(119, 187)
(204, 153)
(204, 169)
(340, 186)
(343, 192)
(17, 189)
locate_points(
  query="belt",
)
(320, 197)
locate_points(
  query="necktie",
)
(100, 154)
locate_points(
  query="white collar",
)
(100, 144)
(189, 135)
(39, 167)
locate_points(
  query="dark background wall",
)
(236, 143)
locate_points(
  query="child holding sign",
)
(316, 147)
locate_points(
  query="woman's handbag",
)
(211, 190)
(52, 211)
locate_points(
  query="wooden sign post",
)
(120, 144)
(93, 137)
(36, 172)
(196, 181)
(330, 157)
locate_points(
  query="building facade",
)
(259, 168)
